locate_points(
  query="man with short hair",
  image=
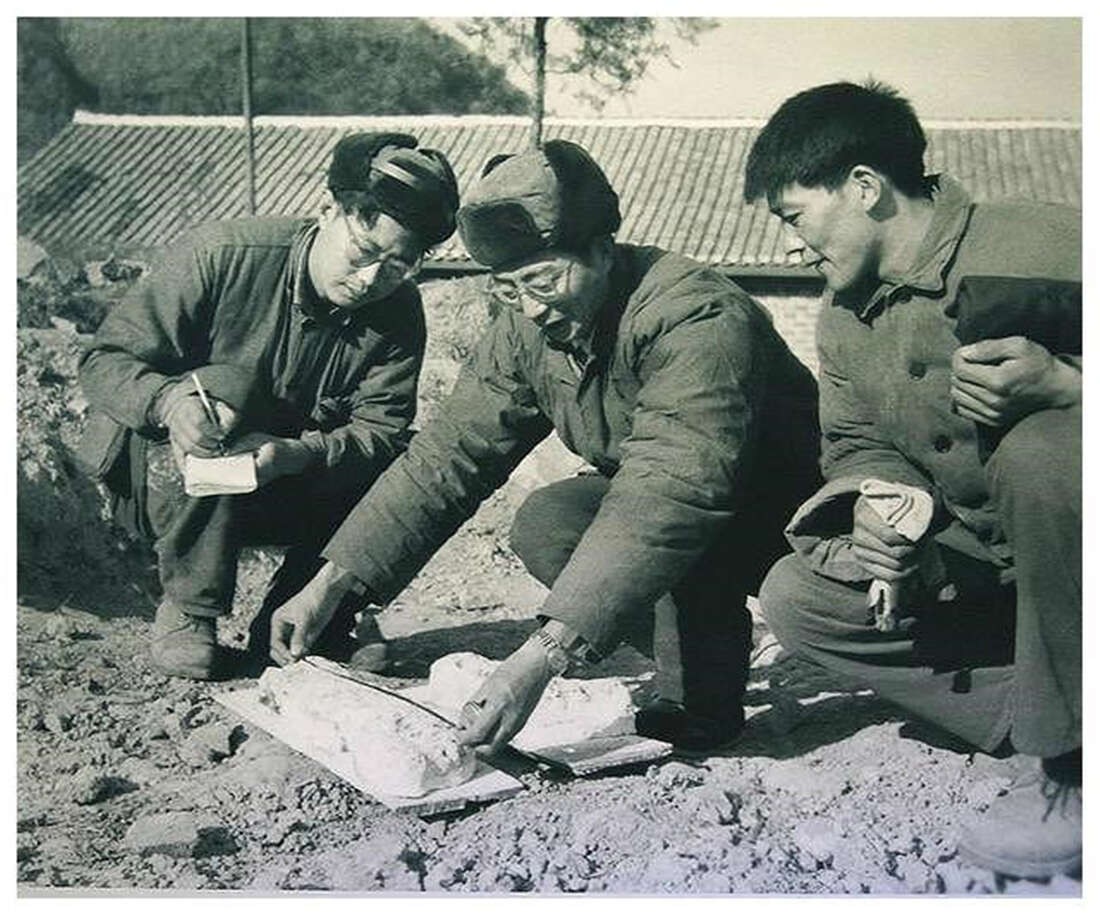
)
(950, 353)
(671, 382)
(299, 341)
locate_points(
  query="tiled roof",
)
(139, 181)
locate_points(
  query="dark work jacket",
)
(229, 303)
(984, 270)
(692, 403)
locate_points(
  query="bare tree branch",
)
(610, 53)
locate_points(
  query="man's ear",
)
(869, 185)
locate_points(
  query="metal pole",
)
(246, 107)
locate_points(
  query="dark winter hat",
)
(416, 187)
(551, 197)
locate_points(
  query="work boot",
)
(1033, 830)
(667, 720)
(184, 645)
(359, 646)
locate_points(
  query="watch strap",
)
(578, 648)
(557, 658)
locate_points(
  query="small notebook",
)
(219, 476)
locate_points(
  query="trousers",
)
(700, 632)
(198, 540)
(998, 661)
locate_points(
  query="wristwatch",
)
(564, 647)
(557, 659)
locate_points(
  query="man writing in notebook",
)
(296, 341)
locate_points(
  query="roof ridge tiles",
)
(469, 120)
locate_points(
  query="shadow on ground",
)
(806, 707)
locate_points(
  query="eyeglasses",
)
(362, 252)
(549, 285)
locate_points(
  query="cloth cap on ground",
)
(417, 187)
(556, 196)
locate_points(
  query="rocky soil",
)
(131, 780)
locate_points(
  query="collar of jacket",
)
(951, 209)
(621, 287)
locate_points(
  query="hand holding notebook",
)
(219, 476)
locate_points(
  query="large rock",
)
(174, 833)
(90, 787)
(210, 743)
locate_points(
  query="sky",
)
(950, 68)
(956, 68)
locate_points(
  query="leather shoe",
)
(371, 647)
(667, 720)
(185, 645)
(1033, 830)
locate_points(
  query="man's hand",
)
(997, 382)
(501, 707)
(296, 625)
(881, 550)
(275, 456)
(191, 430)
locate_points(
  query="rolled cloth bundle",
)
(908, 510)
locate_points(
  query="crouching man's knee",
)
(806, 610)
(523, 537)
(782, 598)
(546, 530)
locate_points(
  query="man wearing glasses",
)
(296, 340)
(671, 382)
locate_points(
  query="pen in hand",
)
(211, 414)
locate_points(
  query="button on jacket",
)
(691, 403)
(232, 303)
(886, 409)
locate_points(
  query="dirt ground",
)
(131, 780)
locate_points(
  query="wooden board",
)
(487, 783)
(595, 755)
